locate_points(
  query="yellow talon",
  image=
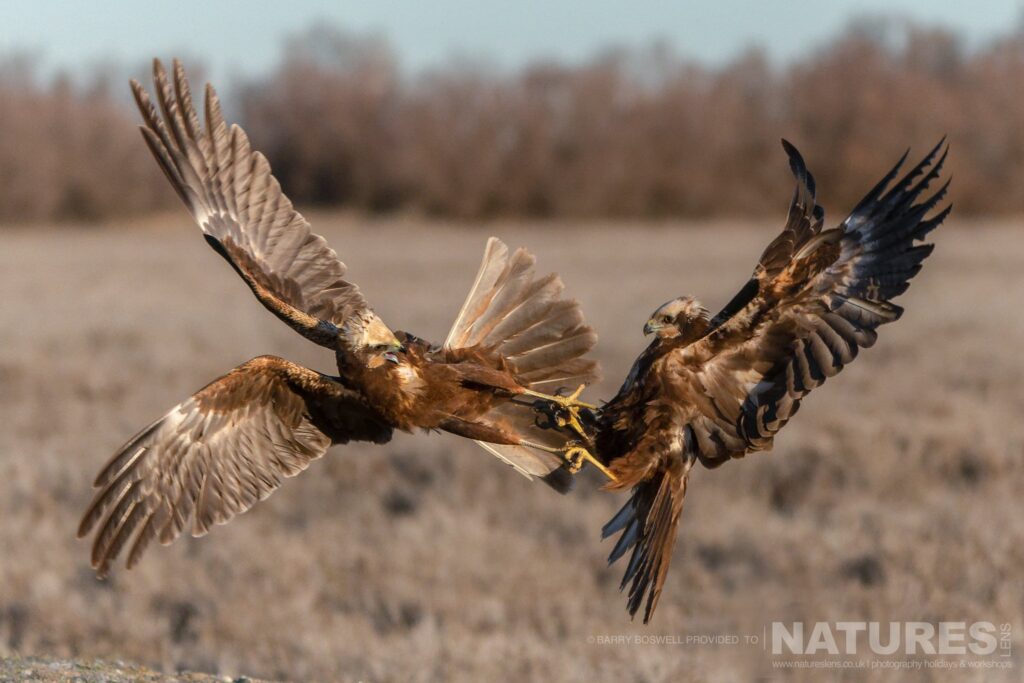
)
(573, 399)
(570, 402)
(572, 421)
(576, 455)
(569, 415)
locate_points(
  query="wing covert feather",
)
(813, 312)
(216, 454)
(231, 193)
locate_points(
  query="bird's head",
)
(368, 336)
(681, 317)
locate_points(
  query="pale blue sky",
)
(232, 36)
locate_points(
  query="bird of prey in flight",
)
(709, 389)
(217, 453)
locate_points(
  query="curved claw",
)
(573, 399)
(575, 455)
(570, 418)
(562, 411)
(545, 418)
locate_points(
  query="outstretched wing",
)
(821, 296)
(215, 455)
(803, 223)
(525, 319)
(815, 299)
(246, 218)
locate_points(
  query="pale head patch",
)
(684, 307)
(367, 330)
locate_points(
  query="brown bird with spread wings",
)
(230, 444)
(709, 389)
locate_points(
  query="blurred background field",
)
(894, 496)
(639, 170)
(630, 132)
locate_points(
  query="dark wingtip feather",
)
(940, 144)
(217, 246)
(880, 186)
(935, 221)
(791, 149)
(798, 166)
(905, 186)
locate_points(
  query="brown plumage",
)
(709, 389)
(231, 443)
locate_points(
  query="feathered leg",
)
(572, 452)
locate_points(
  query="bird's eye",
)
(664, 319)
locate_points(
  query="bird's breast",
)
(409, 379)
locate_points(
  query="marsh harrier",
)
(709, 389)
(230, 445)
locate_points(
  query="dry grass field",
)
(894, 495)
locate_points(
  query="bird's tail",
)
(648, 523)
(526, 320)
(541, 335)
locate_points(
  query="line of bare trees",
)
(630, 133)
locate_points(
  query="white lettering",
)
(951, 638)
(920, 633)
(794, 641)
(821, 637)
(851, 629)
(875, 642)
(983, 631)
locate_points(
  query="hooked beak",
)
(652, 326)
(394, 348)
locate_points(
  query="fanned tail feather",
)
(523, 317)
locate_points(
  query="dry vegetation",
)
(629, 133)
(69, 152)
(894, 495)
(49, 670)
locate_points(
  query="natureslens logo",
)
(851, 638)
(894, 645)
